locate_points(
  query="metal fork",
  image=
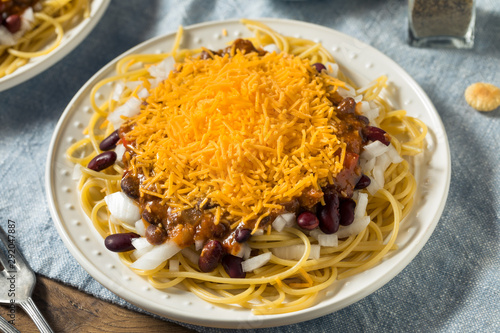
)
(18, 281)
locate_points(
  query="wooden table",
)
(67, 309)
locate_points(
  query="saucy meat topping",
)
(197, 225)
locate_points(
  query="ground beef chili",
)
(197, 225)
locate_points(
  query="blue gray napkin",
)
(453, 285)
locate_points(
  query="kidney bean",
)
(319, 67)
(242, 235)
(13, 23)
(210, 256)
(363, 119)
(156, 235)
(120, 242)
(363, 182)
(110, 142)
(376, 134)
(329, 217)
(308, 221)
(232, 266)
(346, 210)
(102, 161)
(348, 105)
(130, 186)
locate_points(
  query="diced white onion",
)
(252, 264)
(367, 165)
(143, 93)
(325, 239)
(156, 256)
(28, 15)
(173, 265)
(123, 208)
(393, 155)
(258, 232)
(141, 243)
(332, 69)
(295, 252)
(190, 255)
(120, 150)
(374, 149)
(284, 221)
(271, 48)
(198, 244)
(140, 228)
(354, 228)
(6, 38)
(77, 172)
(373, 187)
(162, 70)
(358, 98)
(348, 91)
(360, 210)
(244, 251)
(130, 108)
(118, 91)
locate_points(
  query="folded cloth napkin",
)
(451, 286)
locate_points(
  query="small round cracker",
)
(483, 96)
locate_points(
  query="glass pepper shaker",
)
(442, 23)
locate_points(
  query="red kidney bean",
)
(346, 210)
(13, 23)
(120, 242)
(232, 266)
(308, 221)
(242, 235)
(363, 119)
(363, 182)
(130, 186)
(210, 256)
(156, 235)
(376, 134)
(348, 105)
(329, 217)
(110, 142)
(319, 67)
(102, 161)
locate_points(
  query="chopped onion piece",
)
(295, 252)
(162, 70)
(256, 262)
(393, 155)
(325, 239)
(284, 221)
(141, 243)
(354, 228)
(123, 208)
(140, 228)
(271, 48)
(198, 244)
(367, 165)
(143, 93)
(258, 232)
(173, 265)
(130, 108)
(361, 204)
(373, 187)
(77, 172)
(190, 255)
(113, 220)
(358, 98)
(244, 252)
(332, 68)
(118, 91)
(374, 149)
(120, 150)
(156, 256)
(348, 91)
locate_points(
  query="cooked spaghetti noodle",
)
(283, 283)
(44, 34)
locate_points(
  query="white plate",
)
(432, 172)
(71, 39)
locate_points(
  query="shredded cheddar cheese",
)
(248, 132)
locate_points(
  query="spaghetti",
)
(38, 29)
(246, 155)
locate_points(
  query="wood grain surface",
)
(67, 309)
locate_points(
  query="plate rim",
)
(79, 33)
(266, 321)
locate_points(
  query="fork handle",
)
(30, 308)
(6, 327)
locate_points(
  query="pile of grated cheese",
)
(247, 132)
